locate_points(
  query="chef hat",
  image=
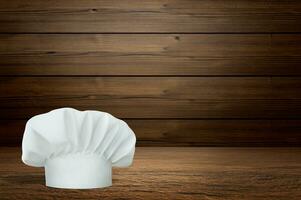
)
(77, 148)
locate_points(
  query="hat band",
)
(78, 171)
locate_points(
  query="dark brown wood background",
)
(180, 72)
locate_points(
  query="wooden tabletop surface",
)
(173, 173)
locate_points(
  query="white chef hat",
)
(77, 148)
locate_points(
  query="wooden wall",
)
(180, 72)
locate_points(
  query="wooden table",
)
(173, 173)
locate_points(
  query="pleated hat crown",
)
(77, 148)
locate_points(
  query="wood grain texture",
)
(161, 109)
(191, 132)
(154, 97)
(150, 16)
(150, 54)
(173, 173)
(180, 72)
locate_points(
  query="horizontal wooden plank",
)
(173, 88)
(150, 54)
(154, 97)
(151, 108)
(191, 132)
(150, 16)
